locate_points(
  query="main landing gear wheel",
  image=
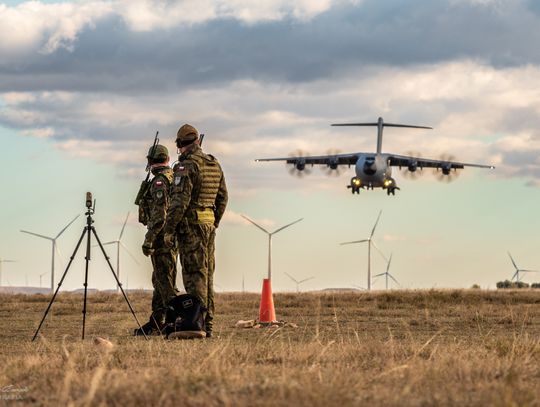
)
(391, 190)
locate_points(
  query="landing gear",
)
(355, 185)
(391, 190)
(354, 189)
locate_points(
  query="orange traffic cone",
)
(267, 314)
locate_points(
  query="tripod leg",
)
(60, 283)
(87, 258)
(117, 281)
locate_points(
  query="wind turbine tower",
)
(270, 234)
(387, 273)
(54, 246)
(370, 243)
(119, 243)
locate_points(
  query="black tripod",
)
(87, 229)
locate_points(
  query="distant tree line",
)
(516, 284)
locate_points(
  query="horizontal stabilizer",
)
(384, 125)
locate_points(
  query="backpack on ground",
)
(185, 313)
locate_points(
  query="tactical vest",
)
(204, 193)
(145, 203)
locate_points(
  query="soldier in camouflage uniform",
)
(198, 201)
(152, 213)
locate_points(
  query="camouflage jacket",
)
(198, 186)
(156, 201)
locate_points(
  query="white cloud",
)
(33, 26)
(472, 107)
(236, 219)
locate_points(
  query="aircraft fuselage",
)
(373, 171)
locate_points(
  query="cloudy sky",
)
(85, 85)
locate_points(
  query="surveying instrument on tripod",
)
(88, 230)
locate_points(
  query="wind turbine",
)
(518, 270)
(270, 234)
(119, 243)
(54, 246)
(387, 273)
(40, 276)
(2, 261)
(370, 243)
(298, 282)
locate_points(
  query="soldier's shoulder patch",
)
(177, 179)
(159, 194)
(158, 184)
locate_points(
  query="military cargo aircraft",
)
(374, 170)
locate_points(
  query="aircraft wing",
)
(395, 160)
(336, 159)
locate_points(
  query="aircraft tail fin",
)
(380, 124)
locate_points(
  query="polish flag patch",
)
(159, 183)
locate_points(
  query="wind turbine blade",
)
(529, 271)
(68, 225)
(388, 265)
(123, 227)
(392, 277)
(513, 262)
(8, 261)
(286, 226)
(292, 278)
(515, 274)
(259, 226)
(378, 275)
(35, 234)
(59, 253)
(356, 241)
(105, 244)
(306, 279)
(128, 252)
(374, 226)
(379, 250)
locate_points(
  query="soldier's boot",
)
(152, 327)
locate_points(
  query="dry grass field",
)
(421, 348)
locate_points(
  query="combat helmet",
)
(158, 153)
(186, 135)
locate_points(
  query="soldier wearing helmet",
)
(152, 213)
(198, 201)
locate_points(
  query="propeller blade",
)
(123, 227)
(253, 222)
(374, 226)
(286, 226)
(68, 225)
(412, 175)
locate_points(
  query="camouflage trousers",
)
(163, 281)
(196, 248)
